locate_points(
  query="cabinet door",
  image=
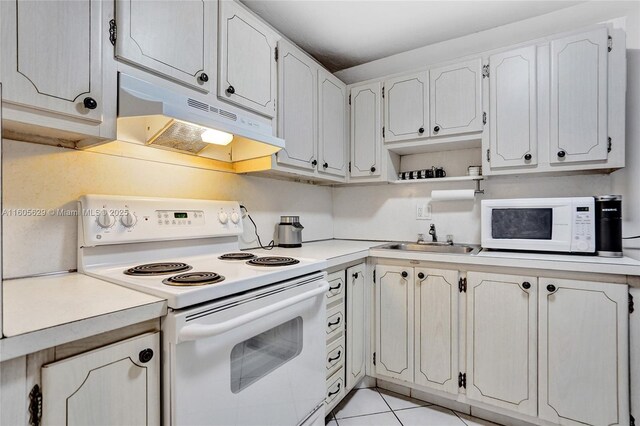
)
(584, 352)
(501, 341)
(456, 98)
(394, 322)
(51, 56)
(366, 150)
(512, 114)
(332, 125)
(112, 385)
(436, 329)
(297, 87)
(406, 107)
(578, 124)
(356, 331)
(171, 38)
(246, 59)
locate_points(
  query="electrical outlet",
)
(423, 211)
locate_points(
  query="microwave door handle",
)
(200, 331)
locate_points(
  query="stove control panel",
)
(106, 220)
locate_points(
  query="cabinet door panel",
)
(578, 126)
(170, 38)
(394, 322)
(297, 107)
(52, 55)
(512, 117)
(109, 385)
(584, 366)
(365, 130)
(501, 341)
(332, 125)
(356, 331)
(246, 59)
(406, 107)
(436, 330)
(456, 98)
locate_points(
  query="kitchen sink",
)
(432, 247)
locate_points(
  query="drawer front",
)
(335, 390)
(335, 357)
(335, 322)
(336, 286)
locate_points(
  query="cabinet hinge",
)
(275, 55)
(632, 421)
(609, 44)
(608, 144)
(462, 380)
(35, 406)
(374, 358)
(113, 31)
(485, 71)
(462, 285)
(631, 306)
(349, 99)
(383, 132)
(484, 118)
(374, 275)
(488, 155)
(382, 92)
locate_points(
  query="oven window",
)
(258, 356)
(522, 224)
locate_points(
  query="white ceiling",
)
(342, 34)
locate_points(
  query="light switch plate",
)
(423, 211)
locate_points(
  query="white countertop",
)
(335, 252)
(46, 311)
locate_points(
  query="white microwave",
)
(540, 224)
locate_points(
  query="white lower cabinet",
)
(118, 384)
(584, 352)
(335, 336)
(356, 322)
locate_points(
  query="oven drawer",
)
(335, 322)
(336, 286)
(335, 356)
(335, 390)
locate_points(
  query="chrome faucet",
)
(432, 232)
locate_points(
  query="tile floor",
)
(379, 407)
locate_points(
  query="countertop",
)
(46, 311)
(335, 252)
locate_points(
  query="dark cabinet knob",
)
(551, 288)
(421, 130)
(355, 275)
(404, 274)
(373, 169)
(231, 90)
(561, 154)
(527, 157)
(325, 165)
(145, 355)
(203, 77)
(526, 285)
(436, 129)
(90, 103)
(314, 163)
(421, 275)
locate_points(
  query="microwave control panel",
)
(583, 235)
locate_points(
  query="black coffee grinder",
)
(609, 225)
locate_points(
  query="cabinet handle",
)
(145, 355)
(314, 163)
(436, 129)
(561, 153)
(90, 103)
(335, 358)
(551, 288)
(373, 169)
(421, 130)
(336, 287)
(526, 285)
(231, 90)
(355, 275)
(336, 322)
(333, 393)
(421, 275)
(404, 274)
(325, 165)
(527, 157)
(203, 77)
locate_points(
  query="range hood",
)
(157, 117)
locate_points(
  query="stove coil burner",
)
(158, 268)
(193, 279)
(237, 256)
(273, 261)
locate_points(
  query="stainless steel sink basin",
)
(432, 247)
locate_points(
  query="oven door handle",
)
(200, 331)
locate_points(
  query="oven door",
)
(256, 359)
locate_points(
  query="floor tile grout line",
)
(359, 415)
(385, 401)
(461, 419)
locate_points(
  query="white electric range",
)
(243, 341)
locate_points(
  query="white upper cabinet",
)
(174, 39)
(578, 104)
(456, 98)
(51, 56)
(512, 113)
(406, 107)
(584, 353)
(356, 324)
(502, 341)
(366, 149)
(297, 91)
(246, 59)
(332, 125)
